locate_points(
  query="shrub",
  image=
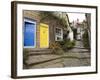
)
(56, 47)
(61, 46)
(25, 56)
(67, 44)
(86, 39)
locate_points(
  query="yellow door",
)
(44, 35)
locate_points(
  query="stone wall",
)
(34, 15)
(53, 23)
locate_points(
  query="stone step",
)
(77, 55)
(41, 58)
(60, 62)
(37, 59)
(81, 47)
(49, 64)
(38, 51)
(79, 50)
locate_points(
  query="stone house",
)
(40, 28)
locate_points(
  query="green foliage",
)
(56, 47)
(67, 44)
(50, 15)
(25, 56)
(86, 39)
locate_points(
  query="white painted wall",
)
(71, 35)
(5, 41)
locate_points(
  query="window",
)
(29, 33)
(58, 34)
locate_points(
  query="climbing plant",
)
(44, 15)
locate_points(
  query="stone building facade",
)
(55, 28)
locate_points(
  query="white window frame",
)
(61, 36)
(30, 21)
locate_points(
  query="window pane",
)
(58, 34)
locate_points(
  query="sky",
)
(75, 16)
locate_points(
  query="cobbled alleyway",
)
(78, 56)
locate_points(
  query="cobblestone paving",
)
(78, 56)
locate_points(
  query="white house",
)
(70, 35)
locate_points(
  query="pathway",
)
(78, 48)
(78, 56)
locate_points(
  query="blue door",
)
(29, 34)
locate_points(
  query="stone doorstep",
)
(39, 52)
(37, 49)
